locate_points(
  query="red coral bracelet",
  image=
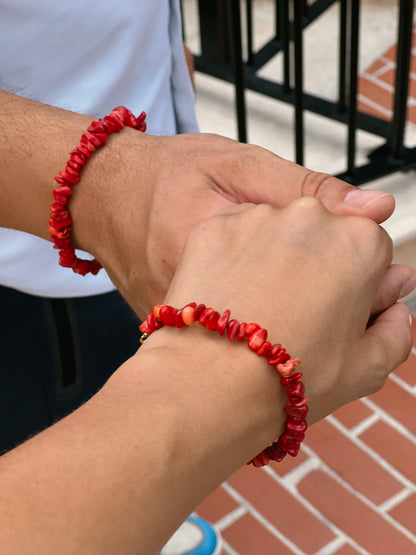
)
(60, 220)
(296, 425)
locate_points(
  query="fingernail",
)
(407, 287)
(362, 198)
(410, 319)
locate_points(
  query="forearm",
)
(121, 473)
(35, 142)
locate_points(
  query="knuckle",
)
(312, 182)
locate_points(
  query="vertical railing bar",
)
(404, 45)
(277, 29)
(354, 20)
(249, 23)
(342, 54)
(234, 17)
(283, 14)
(298, 60)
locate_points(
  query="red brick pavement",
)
(350, 491)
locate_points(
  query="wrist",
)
(229, 390)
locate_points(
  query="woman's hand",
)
(313, 280)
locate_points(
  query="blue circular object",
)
(208, 543)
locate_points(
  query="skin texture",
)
(121, 473)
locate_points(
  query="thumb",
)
(263, 177)
(389, 339)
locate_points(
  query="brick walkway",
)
(376, 85)
(352, 489)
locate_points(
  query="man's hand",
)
(170, 184)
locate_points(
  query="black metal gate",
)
(222, 57)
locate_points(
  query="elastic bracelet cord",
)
(295, 427)
(60, 220)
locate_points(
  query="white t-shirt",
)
(89, 57)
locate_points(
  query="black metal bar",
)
(404, 45)
(342, 53)
(249, 23)
(354, 20)
(298, 10)
(213, 30)
(313, 103)
(283, 9)
(234, 17)
(381, 166)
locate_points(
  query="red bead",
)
(57, 221)
(82, 150)
(62, 234)
(71, 171)
(95, 267)
(295, 391)
(204, 316)
(223, 321)
(212, 320)
(179, 323)
(278, 357)
(167, 315)
(56, 207)
(232, 329)
(290, 444)
(297, 412)
(296, 426)
(74, 166)
(241, 331)
(145, 328)
(81, 267)
(73, 179)
(256, 339)
(299, 436)
(286, 380)
(78, 158)
(96, 127)
(198, 311)
(61, 243)
(59, 179)
(262, 459)
(299, 402)
(275, 452)
(264, 349)
(66, 256)
(251, 328)
(116, 120)
(64, 190)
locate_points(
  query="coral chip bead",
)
(256, 339)
(275, 452)
(251, 328)
(223, 321)
(297, 412)
(167, 315)
(296, 426)
(241, 331)
(232, 329)
(188, 315)
(156, 310)
(212, 320)
(205, 314)
(264, 349)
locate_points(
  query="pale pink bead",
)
(288, 368)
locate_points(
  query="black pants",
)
(55, 354)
